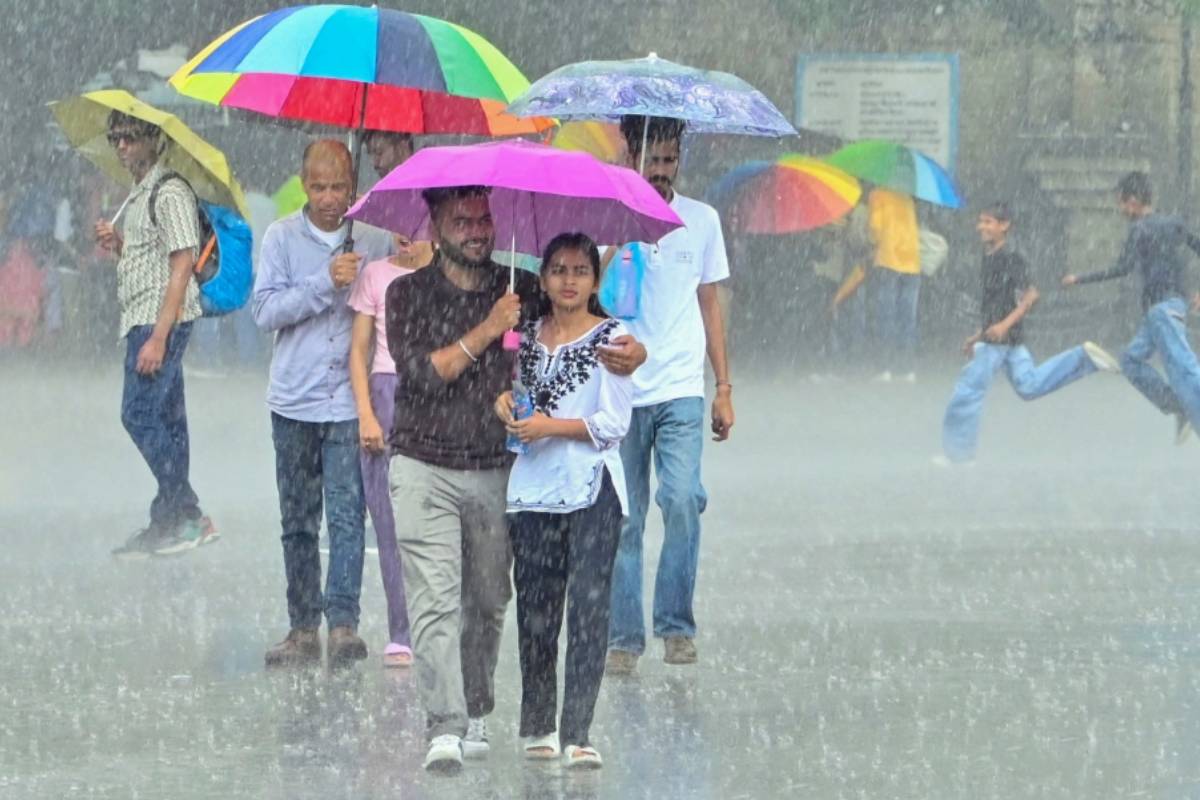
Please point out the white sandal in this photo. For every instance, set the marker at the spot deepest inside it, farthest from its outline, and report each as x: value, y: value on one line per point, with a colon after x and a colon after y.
x: 542, y: 748
x: 582, y: 757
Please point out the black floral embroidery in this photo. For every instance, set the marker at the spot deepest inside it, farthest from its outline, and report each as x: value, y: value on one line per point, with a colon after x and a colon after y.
x: 550, y: 378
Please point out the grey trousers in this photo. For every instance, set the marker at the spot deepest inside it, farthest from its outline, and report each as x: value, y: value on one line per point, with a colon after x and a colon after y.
x: 456, y: 557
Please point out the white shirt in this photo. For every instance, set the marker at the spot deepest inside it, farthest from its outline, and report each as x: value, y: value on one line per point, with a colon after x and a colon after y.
x: 669, y: 323
x: 332, y: 238
x: 560, y: 475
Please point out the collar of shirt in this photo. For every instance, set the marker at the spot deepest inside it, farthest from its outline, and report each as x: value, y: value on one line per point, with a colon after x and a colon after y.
x: 494, y: 277
x: 1002, y: 250
x: 147, y: 182
x: 149, y: 179
x: 331, y: 239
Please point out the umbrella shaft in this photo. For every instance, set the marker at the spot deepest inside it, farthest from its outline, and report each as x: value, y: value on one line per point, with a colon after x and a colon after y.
x: 645, y: 137
x: 121, y: 209
x: 348, y: 246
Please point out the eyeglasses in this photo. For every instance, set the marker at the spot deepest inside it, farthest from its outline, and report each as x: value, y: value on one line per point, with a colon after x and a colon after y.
x: 116, y: 137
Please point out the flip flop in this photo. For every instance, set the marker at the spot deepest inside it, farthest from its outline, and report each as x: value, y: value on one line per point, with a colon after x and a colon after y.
x: 397, y: 655
x: 582, y: 757
x: 542, y: 748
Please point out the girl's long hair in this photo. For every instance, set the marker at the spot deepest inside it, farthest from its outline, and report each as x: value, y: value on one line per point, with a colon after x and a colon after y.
x: 584, y: 244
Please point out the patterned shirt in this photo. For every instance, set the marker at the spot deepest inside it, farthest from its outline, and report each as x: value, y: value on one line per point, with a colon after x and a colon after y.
x: 144, y: 268
x: 559, y: 475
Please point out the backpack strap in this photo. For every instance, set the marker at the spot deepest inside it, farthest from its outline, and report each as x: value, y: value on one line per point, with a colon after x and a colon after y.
x: 206, y: 248
x: 166, y: 176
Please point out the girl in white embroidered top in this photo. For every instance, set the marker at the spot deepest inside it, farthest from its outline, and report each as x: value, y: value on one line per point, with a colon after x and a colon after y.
x: 567, y: 497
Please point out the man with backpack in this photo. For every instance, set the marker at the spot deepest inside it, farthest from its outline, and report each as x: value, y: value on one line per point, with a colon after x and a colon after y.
x: 157, y: 250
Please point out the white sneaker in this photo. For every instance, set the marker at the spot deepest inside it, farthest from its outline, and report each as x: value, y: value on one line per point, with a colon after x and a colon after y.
x: 476, y: 744
x: 445, y: 754
x: 1101, y: 358
x: 883, y: 377
x: 908, y: 377
x: 943, y: 462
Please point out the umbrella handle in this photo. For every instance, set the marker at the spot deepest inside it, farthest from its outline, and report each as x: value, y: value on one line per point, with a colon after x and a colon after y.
x: 121, y: 209
x: 512, y: 338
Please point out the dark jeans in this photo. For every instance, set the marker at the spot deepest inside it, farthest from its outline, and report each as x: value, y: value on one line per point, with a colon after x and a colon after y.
x: 317, y: 461
x: 561, y: 557
x: 154, y: 414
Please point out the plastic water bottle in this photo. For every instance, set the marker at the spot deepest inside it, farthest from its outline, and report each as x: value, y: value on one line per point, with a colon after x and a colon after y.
x: 522, y: 408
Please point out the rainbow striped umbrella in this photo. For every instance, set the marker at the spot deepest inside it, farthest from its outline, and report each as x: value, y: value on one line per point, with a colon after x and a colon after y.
x: 358, y: 67
x: 791, y: 194
x: 900, y: 168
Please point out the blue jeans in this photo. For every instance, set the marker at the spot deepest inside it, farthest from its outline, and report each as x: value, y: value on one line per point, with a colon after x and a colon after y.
x: 960, y: 428
x: 154, y: 414
x: 674, y: 430
x: 315, y: 461
x: 893, y: 297
x: 1164, y: 330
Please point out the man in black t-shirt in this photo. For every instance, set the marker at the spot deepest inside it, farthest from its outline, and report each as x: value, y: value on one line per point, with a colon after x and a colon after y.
x: 449, y: 468
x: 1008, y: 295
x: 1154, y: 247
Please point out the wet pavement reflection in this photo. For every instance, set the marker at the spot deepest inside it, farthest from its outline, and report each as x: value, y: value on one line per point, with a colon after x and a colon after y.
x: 871, y: 626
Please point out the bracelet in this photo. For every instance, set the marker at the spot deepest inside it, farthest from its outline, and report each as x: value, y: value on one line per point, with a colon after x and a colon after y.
x: 474, y: 360
x: 724, y: 383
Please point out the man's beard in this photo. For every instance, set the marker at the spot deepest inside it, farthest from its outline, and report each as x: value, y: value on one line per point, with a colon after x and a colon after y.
x: 456, y: 254
x: 662, y: 185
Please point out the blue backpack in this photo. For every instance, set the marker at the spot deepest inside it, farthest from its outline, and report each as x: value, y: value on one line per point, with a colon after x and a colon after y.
x: 224, y: 270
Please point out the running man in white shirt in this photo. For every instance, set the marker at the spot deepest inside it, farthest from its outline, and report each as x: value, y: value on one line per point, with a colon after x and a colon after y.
x: 679, y: 320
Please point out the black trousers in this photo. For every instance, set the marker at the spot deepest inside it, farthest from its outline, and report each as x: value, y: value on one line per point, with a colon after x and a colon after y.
x: 557, y: 559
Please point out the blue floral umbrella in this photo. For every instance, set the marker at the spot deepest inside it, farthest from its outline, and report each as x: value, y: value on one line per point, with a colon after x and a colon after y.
x: 709, y: 101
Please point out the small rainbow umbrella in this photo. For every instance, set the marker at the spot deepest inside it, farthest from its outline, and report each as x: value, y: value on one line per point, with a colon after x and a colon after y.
x: 361, y: 68
x: 900, y: 168
x: 791, y: 194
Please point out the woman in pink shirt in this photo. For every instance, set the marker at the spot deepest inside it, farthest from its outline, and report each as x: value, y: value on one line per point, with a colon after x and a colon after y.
x: 373, y: 378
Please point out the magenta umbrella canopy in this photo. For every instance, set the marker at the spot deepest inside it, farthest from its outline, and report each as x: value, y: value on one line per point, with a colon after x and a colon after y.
x: 537, y: 193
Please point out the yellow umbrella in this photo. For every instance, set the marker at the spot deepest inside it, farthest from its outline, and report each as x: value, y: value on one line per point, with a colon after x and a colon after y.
x: 601, y: 139
x: 84, y: 120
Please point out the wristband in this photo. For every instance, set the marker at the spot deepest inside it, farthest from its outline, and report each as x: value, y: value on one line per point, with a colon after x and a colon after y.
x: 474, y: 360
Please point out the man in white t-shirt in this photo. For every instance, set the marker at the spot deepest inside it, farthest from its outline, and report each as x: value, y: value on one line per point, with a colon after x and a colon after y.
x: 679, y: 319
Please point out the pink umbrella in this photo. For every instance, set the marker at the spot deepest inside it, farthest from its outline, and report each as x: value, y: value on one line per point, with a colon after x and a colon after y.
x: 537, y: 193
